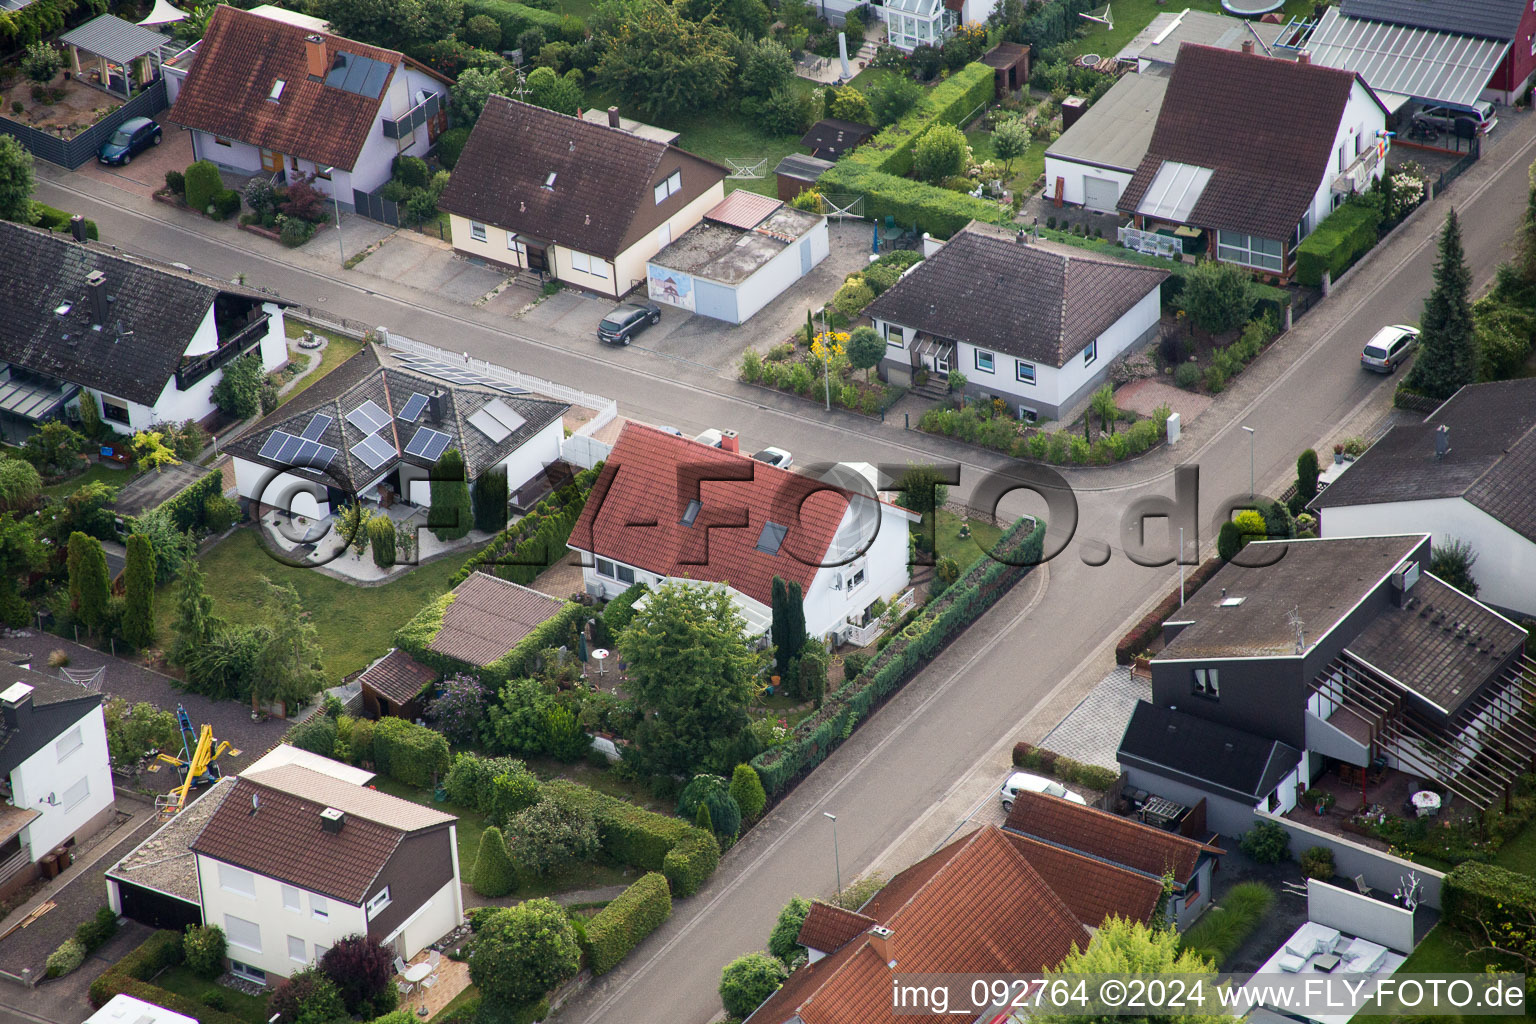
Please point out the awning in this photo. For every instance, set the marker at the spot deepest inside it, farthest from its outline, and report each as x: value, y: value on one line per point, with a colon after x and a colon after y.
x: 1432, y: 67
x: 1174, y: 191
x: 163, y: 14
x: 33, y: 402
x: 113, y: 39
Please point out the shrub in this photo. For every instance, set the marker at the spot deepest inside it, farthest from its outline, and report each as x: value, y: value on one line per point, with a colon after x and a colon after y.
x: 941, y: 153
x: 203, y: 947
x: 493, y: 875
x: 854, y: 664
x: 619, y: 927
x: 362, y: 969
x: 748, y: 980
x: 41, y: 63
x: 94, y: 933
x: 306, y: 997
x: 1267, y: 843
x: 203, y: 184
x: 1478, y: 896
x: 316, y: 734
x: 554, y: 833
x: 381, y: 538
x: 449, y: 145
x: 1343, y: 237
x: 783, y: 941
x: 524, y: 951
x: 409, y: 753
x: 853, y: 296
x: 1317, y: 862
x: 69, y: 956
x: 747, y: 791
x: 1218, y: 296
x: 176, y: 182
x: 1187, y: 375
x: 294, y: 232
x: 714, y: 792
x: 226, y: 202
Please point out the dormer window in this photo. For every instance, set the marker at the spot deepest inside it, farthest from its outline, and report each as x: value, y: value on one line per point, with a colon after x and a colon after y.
x: 277, y: 90
x: 664, y: 189
x: 549, y: 182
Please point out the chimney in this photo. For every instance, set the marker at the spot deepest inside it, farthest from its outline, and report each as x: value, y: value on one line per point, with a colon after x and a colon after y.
x: 1247, y: 45
x: 613, y: 117
x: 729, y: 442
x: 314, y: 56
x: 880, y: 942
x: 1442, y: 442
x: 77, y: 228
x: 96, y: 284
x: 1304, y: 57
x: 435, y: 406
x: 331, y: 820
x: 1072, y: 110
x: 17, y: 702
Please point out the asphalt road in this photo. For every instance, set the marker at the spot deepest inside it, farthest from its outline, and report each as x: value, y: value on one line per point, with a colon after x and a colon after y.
x: 984, y: 690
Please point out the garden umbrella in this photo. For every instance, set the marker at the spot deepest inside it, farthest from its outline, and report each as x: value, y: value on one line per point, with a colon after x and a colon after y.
x: 875, y: 246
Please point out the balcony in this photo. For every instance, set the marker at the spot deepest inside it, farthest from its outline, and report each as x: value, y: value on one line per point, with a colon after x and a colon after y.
x: 1357, y: 176
x: 402, y: 126
x: 237, y: 344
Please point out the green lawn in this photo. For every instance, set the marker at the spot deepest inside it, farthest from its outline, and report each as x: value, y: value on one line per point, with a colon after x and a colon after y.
x: 113, y: 475
x: 1519, y: 854
x: 338, y: 351
x: 602, y: 780
x: 183, y: 982
x: 1026, y: 169
x: 964, y: 550
x: 1131, y: 16
x: 1443, y: 952
x: 355, y: 624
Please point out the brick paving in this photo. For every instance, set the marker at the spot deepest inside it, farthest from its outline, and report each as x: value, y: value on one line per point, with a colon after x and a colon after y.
x: 1091, y: 731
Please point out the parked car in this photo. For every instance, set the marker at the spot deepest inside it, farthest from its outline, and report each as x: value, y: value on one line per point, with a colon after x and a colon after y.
x: 1445, y: 118
x: 1389, y: 348
x: 774, y: 457
x: 626, y: 320
x: 1034, y: 784
x: 133, y: 136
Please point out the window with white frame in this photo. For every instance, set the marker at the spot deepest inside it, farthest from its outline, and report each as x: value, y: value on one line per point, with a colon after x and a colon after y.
x: 292, y: 899
x: 242, y: 933
x: 856, y: 579
x: 1206, y: 683
x: 984, y: 361
x: 114, y: 409
x: 626, y: 575
x: 666, y: 189
x: 237, y: 880
x: 248, y: 972
x: 296, y: 950
x: 69, y: 743
x: 895, y: 336
x: 1028, y: 415
x: 75, y: 795
x: 605, y: 568
x: 515, y: 244
x: 1250, y: 251
x: 664, y: 236
x: 378, y: 903
x: 320, y: 952
x: 1025, y: 372
x: 589, y: 264
x: 477, y: 231
x: 1091, y: 352
x: 319, y: 907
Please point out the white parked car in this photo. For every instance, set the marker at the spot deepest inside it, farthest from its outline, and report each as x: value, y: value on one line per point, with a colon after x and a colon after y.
x: 1034, y: 784
x: 775, y: 457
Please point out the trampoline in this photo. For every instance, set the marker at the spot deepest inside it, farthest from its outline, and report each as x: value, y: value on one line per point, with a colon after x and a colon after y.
x: 1251, y: 8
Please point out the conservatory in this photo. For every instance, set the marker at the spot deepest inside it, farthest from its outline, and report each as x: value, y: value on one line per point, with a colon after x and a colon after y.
x: 914, y: 22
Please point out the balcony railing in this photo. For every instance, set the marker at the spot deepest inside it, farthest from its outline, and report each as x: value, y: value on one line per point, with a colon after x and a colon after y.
x: 1151, y: 243
x: 402, y: 126
x: 237, y: 344
x: 1357, y: 176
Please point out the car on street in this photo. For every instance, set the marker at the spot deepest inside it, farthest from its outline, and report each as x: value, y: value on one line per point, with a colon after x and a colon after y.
x: 626, y: 320
x: 774, y: 457
x: 132, y: 137
x: 1034, y: 784
x: 1389, y: 348
x: 1444, y: 118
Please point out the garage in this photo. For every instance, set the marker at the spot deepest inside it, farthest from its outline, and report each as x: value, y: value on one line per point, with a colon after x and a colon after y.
x: 1093, y: 161
x: 1100, y: 193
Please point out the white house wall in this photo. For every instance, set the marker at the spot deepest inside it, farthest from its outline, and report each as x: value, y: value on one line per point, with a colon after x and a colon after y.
x: 271, y: 487
x: 434, y: 919
x: 530, y: 457
x: 237, y: 156
x: 629, y: 268
x: 1072, y: 173
x: 1506, y: 561
x: 46, y: 774
x: 1362, y: 119
x: 886, y: 574
x: 771, y: 279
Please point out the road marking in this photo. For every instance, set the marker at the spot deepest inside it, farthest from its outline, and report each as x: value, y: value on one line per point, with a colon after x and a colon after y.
x: 747, y: 871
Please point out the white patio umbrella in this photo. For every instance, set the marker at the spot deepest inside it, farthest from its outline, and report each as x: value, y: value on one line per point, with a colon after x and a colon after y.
x: 163, y: 14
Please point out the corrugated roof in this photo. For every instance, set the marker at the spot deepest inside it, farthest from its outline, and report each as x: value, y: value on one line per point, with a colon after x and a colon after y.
x: 1174, y: 191
x: 488, y: 617
x: 114, y: 39
x: 1116, y: 130
x: 1426, y: 65
x: 1493, y: 19
x: 743, y: 209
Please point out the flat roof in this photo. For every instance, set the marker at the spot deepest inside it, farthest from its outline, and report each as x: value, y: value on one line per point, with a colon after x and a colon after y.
x: 1429, y: 66
x: 729, y: 255
x: 164, y: 862
x: 1161, y: 39
x: 1115, y: 131
x: 125, y: 1009
x: 292, y: 17
x: 287, y: 753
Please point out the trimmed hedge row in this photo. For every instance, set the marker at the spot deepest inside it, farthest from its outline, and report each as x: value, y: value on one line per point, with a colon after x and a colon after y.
x: 515, y: 19
x: 129, y: 976
x: 415, y: 638
x: 619, y: 927
x: 939, y: 211
x: 408, y: 752
x: 1038, y: 759
x: 189, y: 508
x: 1475, y: 896
x: 55, y: 219
x: 643, y: 839
x: 948, y: 102
x: 1151, y: 625
x: 1344, y: 236
x: 504, y: 556
x: 977, y: 589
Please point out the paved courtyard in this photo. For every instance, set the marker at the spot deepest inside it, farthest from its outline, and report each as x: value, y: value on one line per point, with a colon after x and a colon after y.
x: 409, y: 257
x: 147, y: 171
x: 1091, y: 731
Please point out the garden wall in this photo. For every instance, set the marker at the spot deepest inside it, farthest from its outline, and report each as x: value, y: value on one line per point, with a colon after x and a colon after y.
x: 1356, y: 914
x: 1381, y: 870
x: 71, y: 153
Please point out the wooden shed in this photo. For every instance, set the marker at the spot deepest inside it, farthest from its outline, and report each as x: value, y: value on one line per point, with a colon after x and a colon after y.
x: 1010, y: 65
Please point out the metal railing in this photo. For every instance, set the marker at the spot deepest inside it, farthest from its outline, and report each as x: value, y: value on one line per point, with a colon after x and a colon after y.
x: 863, y: 636
x: 244, y: 339
x: 1151, y: 243
x: 1357, y: 176
x: 502, y: 375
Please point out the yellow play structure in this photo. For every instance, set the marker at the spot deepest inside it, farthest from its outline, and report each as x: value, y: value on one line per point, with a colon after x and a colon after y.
x: 198, y: 762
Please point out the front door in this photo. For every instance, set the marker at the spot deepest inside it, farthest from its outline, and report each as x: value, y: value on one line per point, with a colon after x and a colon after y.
x: 941, y: 362
x: 271, y: 162
x: 537, y: 260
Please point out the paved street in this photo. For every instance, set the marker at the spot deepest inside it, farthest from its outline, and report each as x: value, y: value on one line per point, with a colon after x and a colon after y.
x: 942, y: 743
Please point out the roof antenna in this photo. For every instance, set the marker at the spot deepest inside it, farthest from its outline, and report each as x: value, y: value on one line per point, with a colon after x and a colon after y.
x: 1301, y: 636
x: 121, y: 334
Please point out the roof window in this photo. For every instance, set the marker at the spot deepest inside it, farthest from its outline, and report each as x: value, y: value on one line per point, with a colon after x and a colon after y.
x: 691, y: 513
x: 772, y: 538
x: 549, y: 182
x: 277, y: 90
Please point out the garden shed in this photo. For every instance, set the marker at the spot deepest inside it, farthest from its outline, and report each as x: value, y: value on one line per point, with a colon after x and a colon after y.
x: 798, y: 172
x: 119, y: 55
x: 1010, y: 64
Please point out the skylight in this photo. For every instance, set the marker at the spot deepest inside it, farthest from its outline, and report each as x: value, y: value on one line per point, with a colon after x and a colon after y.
x: 277, y: 90
x: 691, y: 513
x: 549, y: 182
x: 772, y: 538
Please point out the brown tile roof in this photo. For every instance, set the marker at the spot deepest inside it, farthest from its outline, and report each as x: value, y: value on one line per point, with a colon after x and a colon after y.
x: 635, y: 512
x: 358, y: 801
x: 1092, y: 889
x: 1037, y: 301
x: 979, y: 908
x: 397, y: 676
x: 242, y: 55
x: 827, y: 928
x: 488, y: 617
x: 1263, y: 125
x: 603, y: 177
x: 1106, y: 836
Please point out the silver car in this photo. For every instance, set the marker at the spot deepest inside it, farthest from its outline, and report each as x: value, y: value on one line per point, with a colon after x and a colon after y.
x: 1389, y: 348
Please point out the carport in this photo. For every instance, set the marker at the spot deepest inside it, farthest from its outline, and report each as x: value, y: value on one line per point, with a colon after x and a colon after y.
x: 120, y: 55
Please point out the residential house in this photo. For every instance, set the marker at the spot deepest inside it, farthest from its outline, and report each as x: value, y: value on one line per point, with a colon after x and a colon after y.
x: 1463, y: 473
x: 374, y: 427
x: 488, y: 617
x: 1036, y: 324
x: 831, y: 138
x: 586, y: 204
x: 290, y: 859
x: 396, y: 685
x: 957, y: 911
x: 1092, y: 162
x: 1452, y: 52
x: 55, y: 772
x: 149, y: 340
x: 1155, y: 49
x: 744, y: 254
x: 1133, y: 847
x: 125, y: 1009
x: 666, y: 508
x: 1340, y: 654
x: 266, y: 96
x: 1247, y: 178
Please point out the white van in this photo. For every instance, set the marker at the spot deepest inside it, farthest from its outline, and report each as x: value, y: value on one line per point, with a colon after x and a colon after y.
x: 1034, y: 784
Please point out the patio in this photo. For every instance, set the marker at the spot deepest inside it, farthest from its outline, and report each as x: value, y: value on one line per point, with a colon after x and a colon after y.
x: 1385, y: 792
x: 121, y: 56
x: 428, y: 997
x: 316, y: 540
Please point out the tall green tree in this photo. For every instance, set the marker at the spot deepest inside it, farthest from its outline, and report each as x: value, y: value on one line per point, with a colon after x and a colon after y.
x: 89, y: 583
x: 490, y: 497
x: 748, y: 980
x: 691, y: 675
x: 560, y: 93
x: 238, y: 391
x: 289, y: 667
x: 668, y: 64
x: 865, y: 349
x: 16, y: 182
x: 745, y: 18
x: 139, y: 593
x: 397, y: 24
x: 1125, y: 947
x: 523, y: 952
x: 1218, y: 297
x: 1306, y: 475
x: 1527, y: 257
x: 472, y: 90
x: 195, y: 623
x: 1010, y: 140
x: 20, y: 554
x: 451, y: 515
x: 1447, y: 357
x: 492, y: 875
x: 783, y: 941
x: 941, y: 153
x: 796, y: 616
x: 782, y: 645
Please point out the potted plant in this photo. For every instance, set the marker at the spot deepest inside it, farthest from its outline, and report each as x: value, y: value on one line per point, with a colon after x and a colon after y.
x: 1338, y: 454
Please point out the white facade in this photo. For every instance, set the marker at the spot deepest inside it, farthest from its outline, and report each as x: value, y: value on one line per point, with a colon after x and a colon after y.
x: 1097, y: 188
x: 1506, y: 561
x: 69, y: 780
x: 736, y: 303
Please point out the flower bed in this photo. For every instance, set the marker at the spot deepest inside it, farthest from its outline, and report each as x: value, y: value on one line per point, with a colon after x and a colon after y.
x: 798, y: 371
x: 990, y: 425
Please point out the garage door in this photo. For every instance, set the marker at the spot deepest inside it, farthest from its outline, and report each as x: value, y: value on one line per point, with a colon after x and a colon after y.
x: 1100, y: 194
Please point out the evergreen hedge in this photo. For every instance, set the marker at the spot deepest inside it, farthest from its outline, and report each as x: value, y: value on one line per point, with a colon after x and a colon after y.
x: 381, y: 538
x: 515, y: 19
x: 949, y: 102
x: 1476, y: 895
x: 977, y: 589
x: 939, y: 211
x: 643, y: 839
x: 1344, y: 236
x: 619, y: 927
x: 537, y: 540
x: 188, y: 509
x: 408, y: 752
x: 203, y: 184
x: 415, y: 638
x: 128, y: 977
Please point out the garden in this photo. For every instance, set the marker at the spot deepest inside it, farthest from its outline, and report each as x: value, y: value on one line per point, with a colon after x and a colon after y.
x: 38, y: 92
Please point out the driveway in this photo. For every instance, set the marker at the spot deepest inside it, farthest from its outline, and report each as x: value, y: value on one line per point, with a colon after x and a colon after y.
x: 409, y: 257
x: 147, y: 171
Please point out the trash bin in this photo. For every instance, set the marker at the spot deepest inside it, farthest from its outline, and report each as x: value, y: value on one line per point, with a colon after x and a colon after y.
x: 66, y: 856
x: 50, y: 865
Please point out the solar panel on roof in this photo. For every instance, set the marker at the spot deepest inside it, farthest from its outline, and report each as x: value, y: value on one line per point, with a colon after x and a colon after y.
x: 488, y: 425
x: 505, y: 414
x: 428, y: 444
x: 290, y: 448
x: 374, y: 83
x: 274, y: 444
x: 357, y: 71
x: 368, y: 417
x: 317, y: 426
x: 413, y: 407
x: 372, y: 451
x: 307, y: 452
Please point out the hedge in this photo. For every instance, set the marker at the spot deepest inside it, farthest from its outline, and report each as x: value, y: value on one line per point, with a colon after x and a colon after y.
x: 129, y: 976
x: 533, y: 543
x: 415, y: 638
x: 188, y: 509
x: 1344, y: 236
x: 619, y: 927
x: 939, y: 211
x: 643, y: 839
x: 1150, y: 627
x: 1476, y: 896
x: 515, y: 19
x: 948, y: 102
x: 408, y: 752
x: 1038, y: 759
x: 55, y: 219
x: 977, y: 589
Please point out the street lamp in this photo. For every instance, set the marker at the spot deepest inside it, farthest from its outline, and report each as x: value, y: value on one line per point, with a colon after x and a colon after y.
x: 1250, y: 462
x: 836, y: 861
x: 330, y: 174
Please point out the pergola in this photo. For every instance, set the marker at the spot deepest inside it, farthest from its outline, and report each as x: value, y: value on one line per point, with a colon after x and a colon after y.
x: 114, y: 48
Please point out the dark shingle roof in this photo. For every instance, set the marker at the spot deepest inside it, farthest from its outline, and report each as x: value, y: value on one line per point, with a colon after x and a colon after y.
x: 603, y: 177
x: 242, y: 55
x: 1038, y: 301
x: 56, y: 705
x: 1263, y: 126
x: 831, y: 137
x: 1106, y: 836
x: 1491, y: 463
x: 397, y: 676
x: 1491, y: 19
x: 1171, y: 742
x: 161, y: 305
x: 488, y: 617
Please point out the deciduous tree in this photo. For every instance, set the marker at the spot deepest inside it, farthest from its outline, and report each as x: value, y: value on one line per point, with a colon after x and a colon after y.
x: 474, y: 87
x: 1010, y: 140
x: 362, y: 970
x: 1218, y: 297
x: 523, y: 952
x: 289, y: 667
x: 865, y: 349
x: 16, y: 182
x: 766, y: 65
x: 1126, y: 947
x: 745, y: 18
x: 747, y: 981
x: 20, y: 553
x: 783, y: 941
x: 667, y: 63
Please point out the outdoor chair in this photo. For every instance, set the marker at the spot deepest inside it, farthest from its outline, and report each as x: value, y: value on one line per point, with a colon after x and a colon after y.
x: 404, y: 987
x: 429, y: 981
x: 434, y: 958
x: 399, y: 966
x: 1362, y: 885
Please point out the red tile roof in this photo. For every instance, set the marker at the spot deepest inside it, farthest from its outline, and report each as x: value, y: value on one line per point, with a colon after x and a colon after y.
x: 636, y: 509
x: 1092, y: 889
x: 397, y: 676
x: 1106, y: 836
x: 827, y: 928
